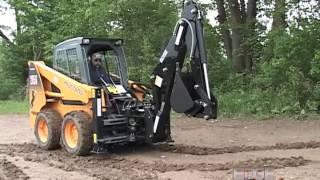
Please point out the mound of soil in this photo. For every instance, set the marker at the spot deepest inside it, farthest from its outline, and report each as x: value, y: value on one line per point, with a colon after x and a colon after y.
x: 9, y: 171
x: 197, y: 150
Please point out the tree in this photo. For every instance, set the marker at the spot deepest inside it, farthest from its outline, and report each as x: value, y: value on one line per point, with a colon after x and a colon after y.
x: 144, y: 25
x: 222, y: 19
x: 241, y: 20
x: 279, y: 15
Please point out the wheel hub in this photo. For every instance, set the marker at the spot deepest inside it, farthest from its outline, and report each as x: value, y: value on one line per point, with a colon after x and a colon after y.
x: 43, y: 130
x: 71, y: 134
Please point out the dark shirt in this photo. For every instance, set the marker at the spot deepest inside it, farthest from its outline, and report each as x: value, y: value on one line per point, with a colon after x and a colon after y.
x: 99, y: 72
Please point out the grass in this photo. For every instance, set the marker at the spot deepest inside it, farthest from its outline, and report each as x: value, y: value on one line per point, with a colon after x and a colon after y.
x: 13, y: 107
x: 256, y: 105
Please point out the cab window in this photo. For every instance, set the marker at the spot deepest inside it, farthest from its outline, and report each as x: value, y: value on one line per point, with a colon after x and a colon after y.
x: 62, y: 62
x: 74, y: 63
x: 111, y: 65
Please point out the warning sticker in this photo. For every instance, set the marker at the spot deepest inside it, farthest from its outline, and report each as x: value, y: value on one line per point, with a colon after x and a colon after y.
x: 164, y: 55
x: 158, y: 81
x: 33, y: 79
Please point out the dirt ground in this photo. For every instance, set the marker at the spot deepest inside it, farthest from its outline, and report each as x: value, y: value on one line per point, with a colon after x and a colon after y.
x: 225, y: 149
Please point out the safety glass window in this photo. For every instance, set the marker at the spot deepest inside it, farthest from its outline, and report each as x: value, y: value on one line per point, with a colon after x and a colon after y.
x: 62, y: 62
x: 74, y: 63
x: 111, y: 64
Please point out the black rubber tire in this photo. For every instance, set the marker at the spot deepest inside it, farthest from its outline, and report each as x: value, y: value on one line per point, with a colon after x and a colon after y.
x: 53, y: 121
x: 85, y: 139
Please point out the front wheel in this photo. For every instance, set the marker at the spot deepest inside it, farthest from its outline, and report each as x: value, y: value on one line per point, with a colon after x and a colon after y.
x: 76, y: 133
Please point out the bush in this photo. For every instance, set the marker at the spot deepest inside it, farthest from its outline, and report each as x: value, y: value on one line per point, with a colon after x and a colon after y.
x: 255, y: 102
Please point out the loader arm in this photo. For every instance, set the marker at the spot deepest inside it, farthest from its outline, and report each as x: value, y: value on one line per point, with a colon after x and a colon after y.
x: 185, y: 91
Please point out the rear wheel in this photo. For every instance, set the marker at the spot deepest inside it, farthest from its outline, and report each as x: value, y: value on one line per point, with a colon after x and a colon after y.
x: 76, y: 133
x: 47, y: 129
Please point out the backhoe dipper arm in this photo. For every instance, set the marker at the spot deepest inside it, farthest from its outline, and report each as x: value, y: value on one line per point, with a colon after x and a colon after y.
x: 188, y: 91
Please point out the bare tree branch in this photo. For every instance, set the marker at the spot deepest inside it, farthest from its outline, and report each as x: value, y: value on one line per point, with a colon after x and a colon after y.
x: 3, y: 36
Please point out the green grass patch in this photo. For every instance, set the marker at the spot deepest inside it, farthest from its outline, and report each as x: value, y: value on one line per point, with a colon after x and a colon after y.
x: 14, y: 107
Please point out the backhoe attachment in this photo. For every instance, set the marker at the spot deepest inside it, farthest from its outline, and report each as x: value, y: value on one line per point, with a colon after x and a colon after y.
x: 180, y: 80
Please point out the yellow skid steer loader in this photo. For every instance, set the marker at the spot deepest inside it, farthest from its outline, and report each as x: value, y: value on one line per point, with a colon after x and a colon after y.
x: 69, y: 108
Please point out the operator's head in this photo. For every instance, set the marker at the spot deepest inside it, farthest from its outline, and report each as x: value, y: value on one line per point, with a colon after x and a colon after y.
x: 96, y: 59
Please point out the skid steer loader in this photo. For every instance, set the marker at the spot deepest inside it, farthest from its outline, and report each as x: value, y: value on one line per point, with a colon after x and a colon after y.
x: 67, y: 108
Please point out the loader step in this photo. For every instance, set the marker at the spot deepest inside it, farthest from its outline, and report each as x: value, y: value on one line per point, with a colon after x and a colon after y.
x: 115, y: 119
x: 112, y: 140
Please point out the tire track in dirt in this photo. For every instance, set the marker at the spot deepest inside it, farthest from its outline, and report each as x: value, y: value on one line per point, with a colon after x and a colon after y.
x: 117, y: 167
x: 108, y: 166
x: 198, y: 150
x: 10, y: 171
x: 274, y: 163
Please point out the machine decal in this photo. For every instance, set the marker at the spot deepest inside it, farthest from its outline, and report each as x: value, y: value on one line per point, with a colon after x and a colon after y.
x: 33, y: 79
x: 156, y: 122
x: 95, y: 137
x: 164, y: 54
x: 158, y: 81
x: 206, y: 80
x: 180, y: 31
x: 74, y: 88
x: 99, y: 107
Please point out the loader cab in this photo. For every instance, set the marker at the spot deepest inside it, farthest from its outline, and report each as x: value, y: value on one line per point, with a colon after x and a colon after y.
x: 73, y: 58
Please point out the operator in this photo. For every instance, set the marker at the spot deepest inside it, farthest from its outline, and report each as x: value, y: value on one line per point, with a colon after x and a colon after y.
x: 99, y: 75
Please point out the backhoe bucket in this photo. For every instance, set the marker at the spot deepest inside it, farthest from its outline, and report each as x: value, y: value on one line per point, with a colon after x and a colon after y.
x: 189, y: 98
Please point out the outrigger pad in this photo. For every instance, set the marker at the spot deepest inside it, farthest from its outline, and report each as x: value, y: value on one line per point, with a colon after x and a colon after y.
x: 180, y: 99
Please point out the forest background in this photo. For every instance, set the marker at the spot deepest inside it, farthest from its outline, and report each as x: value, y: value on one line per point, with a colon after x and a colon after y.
x: 264, y: 55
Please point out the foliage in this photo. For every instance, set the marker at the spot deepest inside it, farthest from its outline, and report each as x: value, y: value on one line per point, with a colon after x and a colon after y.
x: 10, y: 80
x: 294, y: 63
x: 284, y: 77
x: 255, y: 102
x: 287, y: 81
x: 43, y: 24
x: 145, y: 25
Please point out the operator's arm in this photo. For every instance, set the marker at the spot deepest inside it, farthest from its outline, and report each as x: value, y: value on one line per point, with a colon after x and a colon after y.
x: 99, y: 75
x: 105, y: 76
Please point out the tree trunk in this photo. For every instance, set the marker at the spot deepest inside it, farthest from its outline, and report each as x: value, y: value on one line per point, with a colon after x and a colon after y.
x: 243, y: 11
x: 252, y: 10
x: 251, y: 26
x: 279, y: 15
x: 238, y: 58
x: 238, y: 44
x: 222, y: 19
x: 36, y: 53
x: 18, y: 23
